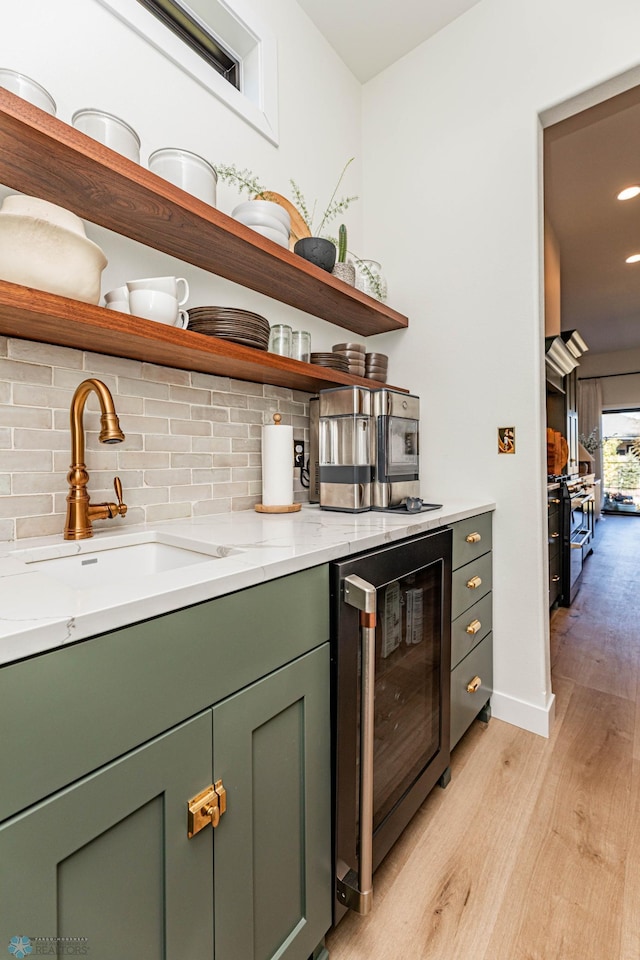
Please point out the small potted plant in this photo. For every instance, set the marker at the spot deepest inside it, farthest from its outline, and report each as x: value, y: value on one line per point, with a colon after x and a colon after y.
x: 343, y: 270
x: 311, y: 245
x: 316, y: 248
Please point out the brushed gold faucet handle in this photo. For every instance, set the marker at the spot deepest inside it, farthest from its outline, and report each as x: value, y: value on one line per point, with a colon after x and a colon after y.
x: 117, y: 486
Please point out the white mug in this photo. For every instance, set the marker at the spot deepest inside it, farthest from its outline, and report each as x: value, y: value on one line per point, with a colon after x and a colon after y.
x: 159, y: 306
x: 122, y: 306
x: 119, y: 293
x: 168, y: 285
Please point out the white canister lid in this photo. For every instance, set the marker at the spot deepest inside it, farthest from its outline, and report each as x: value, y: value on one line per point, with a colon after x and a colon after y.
x: 177, y: 153
x: 93, y: 113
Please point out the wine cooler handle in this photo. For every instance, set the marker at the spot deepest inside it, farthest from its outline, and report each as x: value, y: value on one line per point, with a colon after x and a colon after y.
x: 357, y: 892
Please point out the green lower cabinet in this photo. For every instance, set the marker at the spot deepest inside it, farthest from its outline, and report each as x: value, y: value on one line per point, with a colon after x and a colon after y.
x: 273, y: 845
x: 108, y: 858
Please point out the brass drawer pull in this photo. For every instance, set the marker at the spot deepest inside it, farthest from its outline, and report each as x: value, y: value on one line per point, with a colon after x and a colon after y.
x: 474, y: 627
x: 474, y: 583
x: 555, y: 578
x: 473, y: 538
x: 555, y: 500
x: 555, y: 534
x: 206, y: 808
x: 474, y: 685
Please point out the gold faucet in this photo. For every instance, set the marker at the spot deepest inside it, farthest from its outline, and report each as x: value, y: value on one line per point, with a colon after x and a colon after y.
x: 80, y: 512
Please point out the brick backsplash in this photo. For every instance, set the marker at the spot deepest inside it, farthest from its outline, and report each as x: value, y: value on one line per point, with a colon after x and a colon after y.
x: 192, y: 447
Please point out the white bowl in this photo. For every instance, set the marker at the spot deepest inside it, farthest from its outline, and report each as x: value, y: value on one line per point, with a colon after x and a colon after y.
x: 38, y: 209
x: 274, y: 235
x: 266, y: 206
x: 110, y: 130
x: 187, y: 170
x: 261, y: 219
x: 39, y: 253
x: 28, y: 89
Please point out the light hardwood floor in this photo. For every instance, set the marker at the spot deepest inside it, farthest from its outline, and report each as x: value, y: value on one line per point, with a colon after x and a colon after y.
x: 533, y: 850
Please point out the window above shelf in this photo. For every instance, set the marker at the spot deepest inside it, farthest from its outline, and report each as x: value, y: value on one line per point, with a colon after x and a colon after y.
x: 47, y: 158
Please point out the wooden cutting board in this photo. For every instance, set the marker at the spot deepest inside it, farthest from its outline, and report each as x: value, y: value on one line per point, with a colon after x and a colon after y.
x: 557, y: 452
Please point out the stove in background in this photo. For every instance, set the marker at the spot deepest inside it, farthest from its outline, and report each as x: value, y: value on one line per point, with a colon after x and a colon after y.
x: 576, y: 523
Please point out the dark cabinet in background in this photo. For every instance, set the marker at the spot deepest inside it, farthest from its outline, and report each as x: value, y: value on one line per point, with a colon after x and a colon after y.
x: 554, y: 540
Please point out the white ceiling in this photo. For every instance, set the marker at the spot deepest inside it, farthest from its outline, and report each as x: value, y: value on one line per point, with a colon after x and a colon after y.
x: 589, y: 158
x: 369, y: 35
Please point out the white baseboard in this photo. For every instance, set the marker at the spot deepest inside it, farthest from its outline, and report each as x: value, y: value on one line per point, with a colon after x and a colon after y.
x: 538, y: 720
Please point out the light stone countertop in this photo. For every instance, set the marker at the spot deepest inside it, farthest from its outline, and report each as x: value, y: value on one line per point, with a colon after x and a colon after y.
x: 39, y: 612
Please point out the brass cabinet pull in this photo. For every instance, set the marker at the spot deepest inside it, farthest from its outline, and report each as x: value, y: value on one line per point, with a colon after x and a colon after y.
x: 555, y: 578
x: 474, y: 685
x: 473, y: 538
x: 206, y: 808
x: 555, y: 534
x: 474, y: 626
x: 474, y: 583
x: 555, y: 500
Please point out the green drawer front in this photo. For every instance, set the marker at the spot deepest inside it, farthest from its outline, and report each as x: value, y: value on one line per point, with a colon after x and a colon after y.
x: 554, y: 527
x: 466, y: 706
x: 462, y: 596
x: 70, y: 711
x: 461, y: 641
x: 464, y: 552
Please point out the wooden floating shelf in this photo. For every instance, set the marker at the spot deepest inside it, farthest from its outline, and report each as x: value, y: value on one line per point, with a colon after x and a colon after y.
x: 47, y: 158
x: 34, y: 315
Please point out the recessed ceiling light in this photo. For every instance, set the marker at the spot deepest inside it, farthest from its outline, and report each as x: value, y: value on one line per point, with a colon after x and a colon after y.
x: 628, y: 193
x: 633, y: 259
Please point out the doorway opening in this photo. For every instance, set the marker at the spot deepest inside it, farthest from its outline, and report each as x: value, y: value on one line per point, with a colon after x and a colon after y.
x: 621, y: 461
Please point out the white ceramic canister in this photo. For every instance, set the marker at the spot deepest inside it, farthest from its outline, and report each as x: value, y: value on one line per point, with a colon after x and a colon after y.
x: 187, y: 170
x: 28, y: 89
x: 110, y: 130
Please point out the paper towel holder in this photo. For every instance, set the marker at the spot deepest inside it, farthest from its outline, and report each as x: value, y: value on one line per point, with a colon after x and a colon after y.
x: 284, y: 508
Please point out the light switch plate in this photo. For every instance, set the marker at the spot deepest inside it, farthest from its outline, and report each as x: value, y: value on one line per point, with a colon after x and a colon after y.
x: 506, y: 439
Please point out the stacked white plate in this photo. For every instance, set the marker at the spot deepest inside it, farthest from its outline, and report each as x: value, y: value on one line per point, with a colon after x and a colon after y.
x: 266, y: 218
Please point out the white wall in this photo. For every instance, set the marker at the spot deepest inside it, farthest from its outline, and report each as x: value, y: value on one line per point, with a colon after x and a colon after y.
x: 452, y: 178
x: 86, y: 57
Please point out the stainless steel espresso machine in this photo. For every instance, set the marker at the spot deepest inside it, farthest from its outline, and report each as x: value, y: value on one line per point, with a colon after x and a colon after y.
x: 345, y: 460
x: 395, y: 428
x: 367, y: 450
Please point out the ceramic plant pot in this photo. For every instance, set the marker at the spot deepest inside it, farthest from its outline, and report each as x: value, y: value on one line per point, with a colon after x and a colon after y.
x: 345, y: 272
x: 317, y: 250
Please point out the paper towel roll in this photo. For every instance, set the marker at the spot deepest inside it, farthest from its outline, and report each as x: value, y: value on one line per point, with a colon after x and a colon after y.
x: 277, y: 464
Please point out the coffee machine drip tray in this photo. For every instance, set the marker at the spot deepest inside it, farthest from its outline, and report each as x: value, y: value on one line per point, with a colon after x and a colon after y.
x: 410, y: 505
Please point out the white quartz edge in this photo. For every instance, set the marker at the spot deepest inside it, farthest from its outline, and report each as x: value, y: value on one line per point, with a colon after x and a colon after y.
x: 39, y: 613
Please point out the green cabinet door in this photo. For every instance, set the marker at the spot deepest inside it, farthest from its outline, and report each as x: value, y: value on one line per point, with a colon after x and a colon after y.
x: 108, y: 858
x: 272, y: 848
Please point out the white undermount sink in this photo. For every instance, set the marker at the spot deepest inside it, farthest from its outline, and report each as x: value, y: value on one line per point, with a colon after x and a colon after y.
x: 123, y: 559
